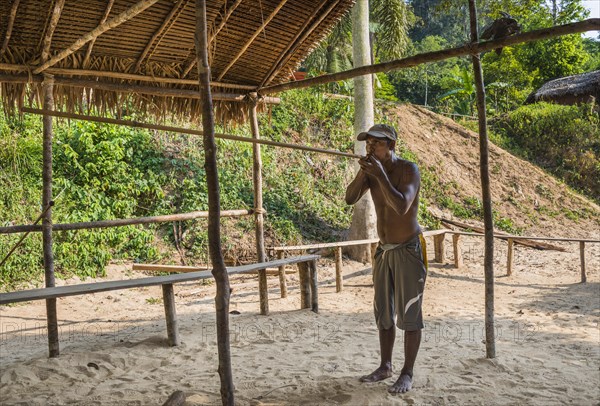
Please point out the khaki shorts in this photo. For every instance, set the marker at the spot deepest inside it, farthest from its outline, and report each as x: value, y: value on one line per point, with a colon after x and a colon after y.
x: 399, y: 273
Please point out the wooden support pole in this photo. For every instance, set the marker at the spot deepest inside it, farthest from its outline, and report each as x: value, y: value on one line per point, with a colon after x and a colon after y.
x: 214, y: 227
x: 47, y: 40
x: 303, y: 273
x: 170, y: 314
x: 509, y: 257
x: 52, y: 318
x: 258, y: 209
x: 314, y: 286
x: 88, y: 53
x: 490, y: 336
x: 458, y: 259
x: 439, y: 248
x: 339, y: 280
x: 282, y: 277
x: 582, y: 257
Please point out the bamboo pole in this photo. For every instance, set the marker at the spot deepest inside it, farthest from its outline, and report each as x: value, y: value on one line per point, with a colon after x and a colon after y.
x: 124, y: 76
x: 591, y: 24
x: 185, y: 131
x: 339, y: 280
x: 582, y: 258
x: 51, y: 314
x: 9, y: 26
x: 176, y: 10
x: 228, y: 14
x: 88, y: 53
x: 297, y: 41
x: 47, y: 40
x: 131, y: 88
x: 458, y: 259
x: 509, y: 257
x: 258, y: 209
x: 214, y: 230
x: 252, y: 38
x: 123, y: 222
x: 490, y: 338
x: 96, y: 32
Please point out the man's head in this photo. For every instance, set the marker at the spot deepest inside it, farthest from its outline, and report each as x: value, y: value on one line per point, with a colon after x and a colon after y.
x: 379, y: 131
x: 380, y: 138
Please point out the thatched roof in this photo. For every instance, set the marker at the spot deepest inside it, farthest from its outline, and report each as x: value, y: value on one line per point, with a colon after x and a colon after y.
x: 569, y: 90
x: 145, y: 54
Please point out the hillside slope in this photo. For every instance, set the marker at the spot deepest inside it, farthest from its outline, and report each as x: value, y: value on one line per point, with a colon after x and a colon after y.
x: 534, y: 201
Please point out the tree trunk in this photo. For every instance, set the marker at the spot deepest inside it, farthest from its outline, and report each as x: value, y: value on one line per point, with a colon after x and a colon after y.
x: 363, y: 219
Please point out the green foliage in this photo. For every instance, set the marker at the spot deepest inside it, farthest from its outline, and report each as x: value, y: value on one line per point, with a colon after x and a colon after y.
x: 562, y: 139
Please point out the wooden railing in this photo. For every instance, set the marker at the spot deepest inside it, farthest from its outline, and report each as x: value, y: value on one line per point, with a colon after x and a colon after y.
x: 439, y: 251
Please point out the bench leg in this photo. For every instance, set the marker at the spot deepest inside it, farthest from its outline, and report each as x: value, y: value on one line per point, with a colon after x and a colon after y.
x: 339, y: 281
x: 282, y: 278
x: 304, y: 285
x: 314, y: 286
x: 170, y: 314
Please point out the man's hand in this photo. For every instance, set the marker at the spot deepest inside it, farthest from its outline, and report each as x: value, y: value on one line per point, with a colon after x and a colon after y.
x: 371, y: 166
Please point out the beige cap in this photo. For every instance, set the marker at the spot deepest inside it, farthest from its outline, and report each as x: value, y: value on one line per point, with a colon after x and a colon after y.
x: 379, y: 131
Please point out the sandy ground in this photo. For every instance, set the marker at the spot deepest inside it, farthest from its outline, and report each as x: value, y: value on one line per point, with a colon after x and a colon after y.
x: 113, y: 345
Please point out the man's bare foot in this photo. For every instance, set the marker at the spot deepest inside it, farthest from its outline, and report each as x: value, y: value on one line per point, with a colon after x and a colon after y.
x: 379, y: 374
x: 403, y: 384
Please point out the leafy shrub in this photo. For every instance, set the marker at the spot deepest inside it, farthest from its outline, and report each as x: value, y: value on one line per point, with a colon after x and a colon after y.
x: 564, y: 140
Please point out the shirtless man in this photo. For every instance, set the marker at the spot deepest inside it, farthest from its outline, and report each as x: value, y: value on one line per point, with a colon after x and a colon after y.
x: 399, y: 269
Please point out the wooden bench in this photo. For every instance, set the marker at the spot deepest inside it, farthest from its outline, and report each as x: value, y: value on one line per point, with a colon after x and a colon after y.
x: 306, y: 266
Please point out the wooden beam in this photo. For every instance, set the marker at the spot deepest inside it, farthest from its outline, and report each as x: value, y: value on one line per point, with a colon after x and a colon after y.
x: 88, y: 53
x: 592, y: 24
x: 297, y: 41
x: 228, y: 14
x: 252, y: 38
x: 185, y: 131
x: 9, y: 26
x: 96, y: 32
x: 162, y: 30
x: 124, y: 76
x: 106, y: 286
x: 131, y: 88
x: 123, y: 222
x: 488, y: 261
x: 47, y: 39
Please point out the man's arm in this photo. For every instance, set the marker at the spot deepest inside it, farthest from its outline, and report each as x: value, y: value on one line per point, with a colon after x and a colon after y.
x: 357, y: 188
x: 399, y: 197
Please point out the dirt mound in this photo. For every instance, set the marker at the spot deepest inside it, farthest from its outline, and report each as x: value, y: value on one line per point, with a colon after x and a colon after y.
x: 532, y: 199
